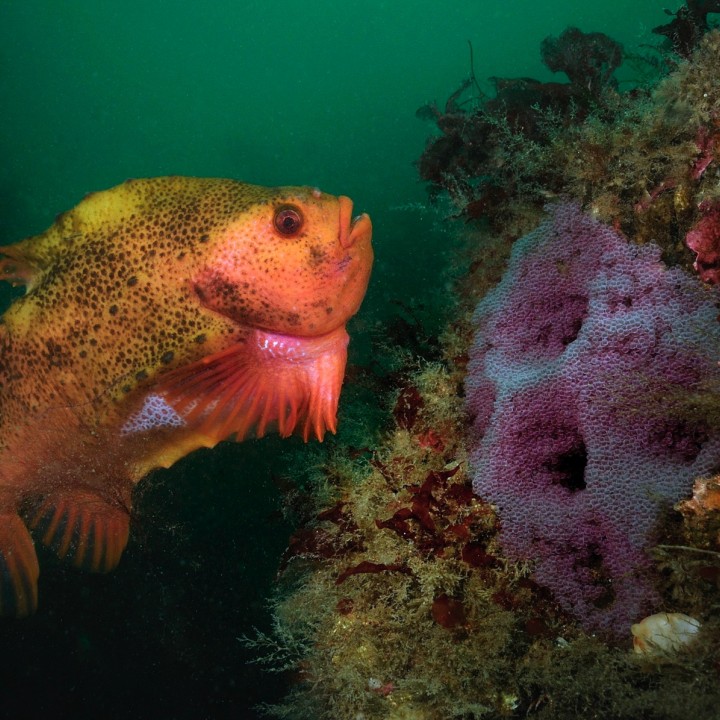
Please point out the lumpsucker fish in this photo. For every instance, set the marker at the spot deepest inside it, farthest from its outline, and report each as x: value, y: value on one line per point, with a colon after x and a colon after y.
x: 161, y: 316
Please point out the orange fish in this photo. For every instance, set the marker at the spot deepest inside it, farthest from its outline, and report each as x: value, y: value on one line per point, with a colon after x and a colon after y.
x: 161, y: 316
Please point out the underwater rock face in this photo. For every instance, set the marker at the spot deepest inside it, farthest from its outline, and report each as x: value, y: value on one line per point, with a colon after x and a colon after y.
x: 582, y: 358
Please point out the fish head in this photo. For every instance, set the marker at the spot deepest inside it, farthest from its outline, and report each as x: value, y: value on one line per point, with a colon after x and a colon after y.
x: 294, y: 262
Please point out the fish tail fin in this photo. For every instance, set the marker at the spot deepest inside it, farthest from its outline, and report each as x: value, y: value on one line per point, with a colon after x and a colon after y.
x: 83, y: 528
x: 18, y: 568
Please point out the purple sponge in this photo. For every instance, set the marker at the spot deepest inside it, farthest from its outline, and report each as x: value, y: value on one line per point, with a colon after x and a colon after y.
x: 576, y: 354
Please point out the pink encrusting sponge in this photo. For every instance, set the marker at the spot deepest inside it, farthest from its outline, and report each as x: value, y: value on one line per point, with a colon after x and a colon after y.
x: 577, y: 357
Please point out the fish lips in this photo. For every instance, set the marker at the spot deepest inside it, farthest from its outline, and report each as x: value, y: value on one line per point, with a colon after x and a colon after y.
x: 353, y: 231
x: 355, y: 236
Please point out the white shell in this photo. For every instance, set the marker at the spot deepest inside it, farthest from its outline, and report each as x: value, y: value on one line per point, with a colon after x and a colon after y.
x: 663, y: 633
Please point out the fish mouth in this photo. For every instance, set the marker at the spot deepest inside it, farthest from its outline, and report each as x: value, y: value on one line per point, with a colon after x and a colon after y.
x: 355, y: 237
x: 353, y: 230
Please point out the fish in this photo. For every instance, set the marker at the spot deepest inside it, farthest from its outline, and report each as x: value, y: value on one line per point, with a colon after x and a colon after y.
x: 161, y: 316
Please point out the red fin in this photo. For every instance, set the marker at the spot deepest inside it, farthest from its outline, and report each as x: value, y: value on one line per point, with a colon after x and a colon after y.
x: 15, y: 268
x: 85, y: 529
x: 264, y: 382
x: 18, y: 568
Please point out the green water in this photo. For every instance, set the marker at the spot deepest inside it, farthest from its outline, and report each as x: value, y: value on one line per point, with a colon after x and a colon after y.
x: 313, y: 93
x: 316, y: 93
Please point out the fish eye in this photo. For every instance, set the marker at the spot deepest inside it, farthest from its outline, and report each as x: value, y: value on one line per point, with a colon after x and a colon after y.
x: 288, y: 220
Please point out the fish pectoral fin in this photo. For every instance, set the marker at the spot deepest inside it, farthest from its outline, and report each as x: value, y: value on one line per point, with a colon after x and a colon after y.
x: 18, y: 568
x: 267, y: 382
x: 15, y: 267
x: 83, y: 528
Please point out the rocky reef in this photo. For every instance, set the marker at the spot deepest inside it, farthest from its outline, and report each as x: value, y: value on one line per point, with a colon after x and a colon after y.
x: 546, y: 476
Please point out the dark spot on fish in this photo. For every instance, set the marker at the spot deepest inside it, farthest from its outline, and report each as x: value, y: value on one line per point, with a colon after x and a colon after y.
x: 167, y: 357
x: 204, y: 238
x: 200, y: 339
x: 199, y: 292
x: 132, y: 281
x: 317, y: 256
x: 329, y: 310
x: 113, y: 309
x: 126, y: 388
x: 142, y: 375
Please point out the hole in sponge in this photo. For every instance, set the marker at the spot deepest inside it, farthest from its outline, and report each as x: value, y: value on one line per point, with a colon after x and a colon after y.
x: 568, y: 469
